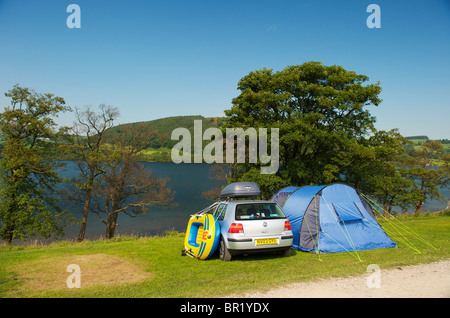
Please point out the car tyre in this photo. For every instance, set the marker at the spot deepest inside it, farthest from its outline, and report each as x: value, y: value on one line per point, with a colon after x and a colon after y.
x: 224, y: 253
x: 287, y: 252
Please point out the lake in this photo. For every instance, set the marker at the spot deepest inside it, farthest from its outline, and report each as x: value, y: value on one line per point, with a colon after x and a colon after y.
x: 188, y: 181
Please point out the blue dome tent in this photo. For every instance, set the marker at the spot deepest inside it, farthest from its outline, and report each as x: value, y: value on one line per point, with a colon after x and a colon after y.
x: 330, y: 219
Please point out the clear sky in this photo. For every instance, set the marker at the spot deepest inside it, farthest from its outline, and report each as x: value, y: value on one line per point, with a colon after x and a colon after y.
x: 155, y: 59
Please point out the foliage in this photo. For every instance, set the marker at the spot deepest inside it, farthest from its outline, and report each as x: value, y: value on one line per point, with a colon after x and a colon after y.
x: 28, y: 205
x: 426, y: 178
x: 111, y: 180
x: 416, y: 137
x: 85, y: 142
x: 322, y: 117
x: 162, y: 129
x: 377, y: 172
x: 126, y: 186
x: 328, y: 135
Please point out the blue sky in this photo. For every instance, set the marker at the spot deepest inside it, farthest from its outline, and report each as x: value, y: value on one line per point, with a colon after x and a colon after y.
x: 154, y: 59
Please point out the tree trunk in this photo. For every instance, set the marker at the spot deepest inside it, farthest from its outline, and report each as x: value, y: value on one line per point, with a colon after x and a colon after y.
x: 10, y: 224
x: 111, y: 226
x: 385, y: 210
x: 82, y: 232
x: 9, y: 236
x: 112, y: 220
x: 389, y: 209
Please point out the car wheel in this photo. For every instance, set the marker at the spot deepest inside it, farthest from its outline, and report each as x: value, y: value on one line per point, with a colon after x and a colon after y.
x: 224, y: 253
x: 287, y: 253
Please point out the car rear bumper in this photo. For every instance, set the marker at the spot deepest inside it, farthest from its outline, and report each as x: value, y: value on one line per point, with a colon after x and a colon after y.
x: 244, y: 245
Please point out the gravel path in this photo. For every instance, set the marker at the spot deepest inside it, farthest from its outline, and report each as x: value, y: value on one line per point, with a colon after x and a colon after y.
x: 418, y: 281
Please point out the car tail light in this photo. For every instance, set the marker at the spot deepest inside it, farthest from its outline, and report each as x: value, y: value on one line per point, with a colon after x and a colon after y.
x: 287, y: 226
x: 236, y: 228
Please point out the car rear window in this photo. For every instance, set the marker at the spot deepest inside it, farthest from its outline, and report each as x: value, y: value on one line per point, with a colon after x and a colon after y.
x: 257, y: 211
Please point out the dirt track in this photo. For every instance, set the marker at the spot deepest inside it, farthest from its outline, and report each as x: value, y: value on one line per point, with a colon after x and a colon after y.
x: 419, y: 281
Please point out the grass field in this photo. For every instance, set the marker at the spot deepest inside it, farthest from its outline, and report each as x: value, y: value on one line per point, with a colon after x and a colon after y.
x: 154, y: 267
x: 418, y: 142
x: 150, y: 151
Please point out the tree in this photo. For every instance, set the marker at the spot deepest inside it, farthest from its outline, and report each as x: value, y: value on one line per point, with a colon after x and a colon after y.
x: 377, y: 170
x: 221, y: 173
x: 321, y: 115
x: 427, y: 177
x: 126, y: 186
x: 28, y: 206
x: 88, y: 136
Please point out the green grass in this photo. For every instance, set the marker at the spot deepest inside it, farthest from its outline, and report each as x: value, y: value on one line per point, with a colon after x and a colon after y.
x: 150, y: 151
x: 154, y: 267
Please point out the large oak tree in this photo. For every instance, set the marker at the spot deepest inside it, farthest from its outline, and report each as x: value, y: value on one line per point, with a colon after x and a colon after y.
x: 324, y: 122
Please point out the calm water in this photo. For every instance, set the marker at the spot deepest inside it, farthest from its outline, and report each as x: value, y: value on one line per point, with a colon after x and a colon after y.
x: 187, y: 180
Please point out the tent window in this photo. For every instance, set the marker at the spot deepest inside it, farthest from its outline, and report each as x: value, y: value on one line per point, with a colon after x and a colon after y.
x: 347, y: 212
x: 359, y: 210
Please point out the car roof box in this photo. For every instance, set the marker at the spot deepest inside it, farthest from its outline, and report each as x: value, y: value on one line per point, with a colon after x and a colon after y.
x: 243, y: 189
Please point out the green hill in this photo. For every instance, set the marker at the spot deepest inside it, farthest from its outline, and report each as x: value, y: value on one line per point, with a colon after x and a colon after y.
x: 161, y: 143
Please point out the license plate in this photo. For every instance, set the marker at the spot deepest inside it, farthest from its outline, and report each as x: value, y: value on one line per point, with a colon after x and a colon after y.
x: 267, y: 241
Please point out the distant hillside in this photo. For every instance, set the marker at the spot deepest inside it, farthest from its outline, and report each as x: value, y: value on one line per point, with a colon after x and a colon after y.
x: 161, y: 144
x: 417, y: 141
x: 164, y: 127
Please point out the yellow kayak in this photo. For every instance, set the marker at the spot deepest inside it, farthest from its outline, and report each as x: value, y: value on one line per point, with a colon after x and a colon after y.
x: 202, y: 236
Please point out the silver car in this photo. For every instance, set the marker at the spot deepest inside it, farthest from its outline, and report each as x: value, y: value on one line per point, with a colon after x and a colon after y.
x: 250, y: 226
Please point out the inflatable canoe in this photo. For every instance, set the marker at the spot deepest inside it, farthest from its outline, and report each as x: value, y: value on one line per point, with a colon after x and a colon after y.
x: 202, y: 236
